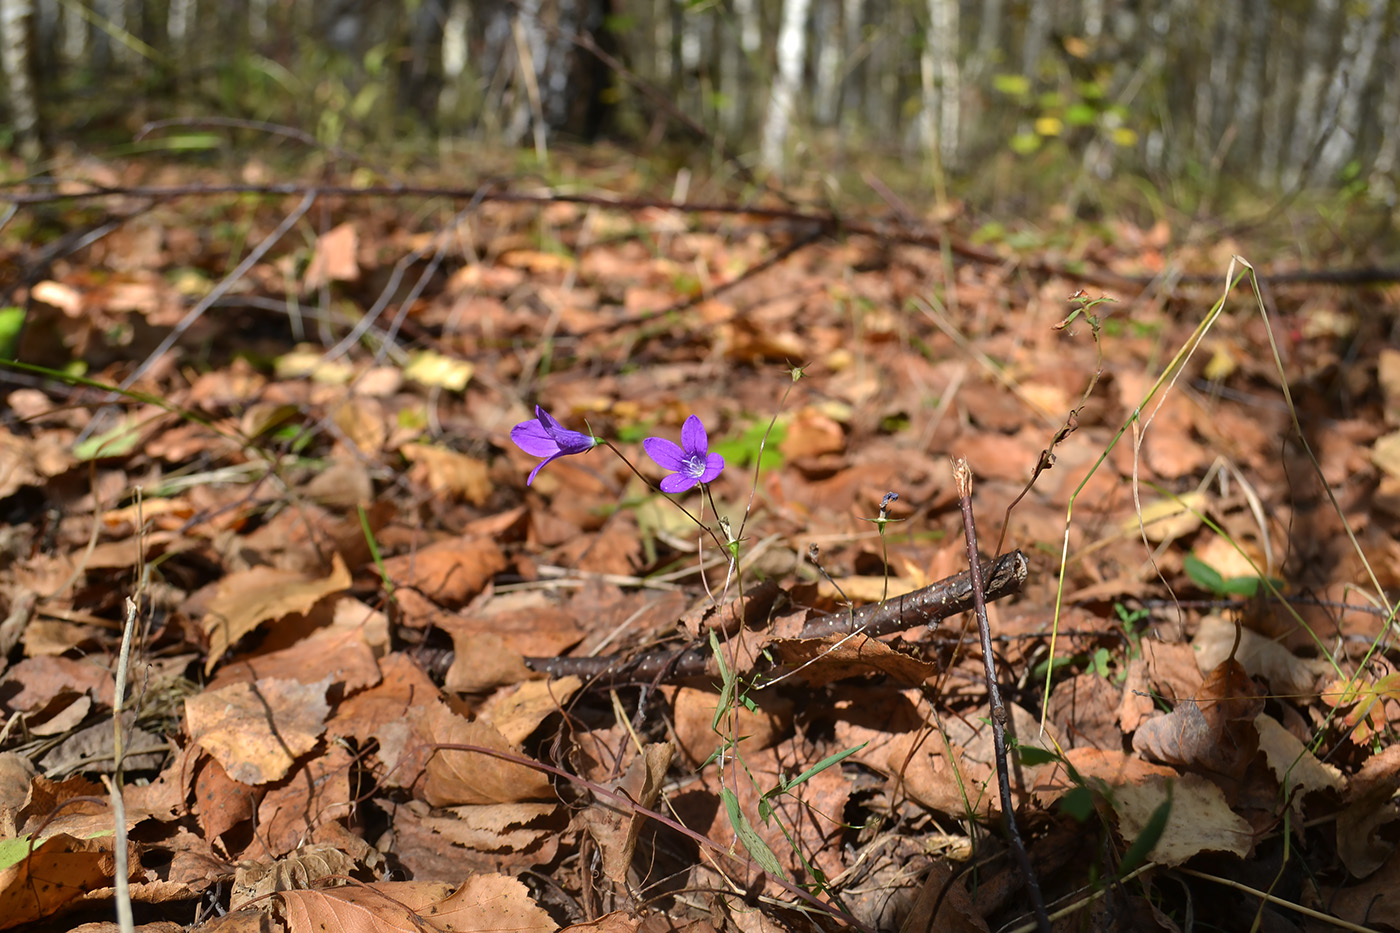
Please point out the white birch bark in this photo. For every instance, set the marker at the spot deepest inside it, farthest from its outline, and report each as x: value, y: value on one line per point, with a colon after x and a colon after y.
x: 15, y: 19
x: 1093, y: 19
x: 1350, y: 80
x: 1308, y: 118
x: 454, y: 56
x: 829, y: 41
x: 939, y: 73
x: 1382, y: 179
x: 1249, y: 86
x: 852, y: 20
x: 1037, y: 28
x: 178, y: 17
x: 750, y: 33
x: 75, y: 32
x: 792, y: 49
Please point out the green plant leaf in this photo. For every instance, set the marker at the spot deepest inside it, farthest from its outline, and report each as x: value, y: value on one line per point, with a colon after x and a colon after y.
x: 11, y: 323
x: 1078, y: 802
x: 816, y: 769
x: 1203, y: 575
x: 1032, y: 755
x: 753, y: 843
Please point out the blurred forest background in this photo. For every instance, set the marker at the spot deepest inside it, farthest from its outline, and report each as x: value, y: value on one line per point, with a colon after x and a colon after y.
x: 1191, y: 102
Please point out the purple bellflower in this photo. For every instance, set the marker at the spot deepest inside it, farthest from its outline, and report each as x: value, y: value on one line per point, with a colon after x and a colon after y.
x: 690, y: 463
x: 545, y: 437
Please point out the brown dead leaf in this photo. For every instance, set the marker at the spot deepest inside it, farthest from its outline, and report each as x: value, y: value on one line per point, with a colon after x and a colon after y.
x: 820, y: 661
x: 1364, y: 841
x: 450, y: 571
x: 335, y: 655
x: 246, y: 599
x: 1373, y: 903
x: 55, y: 875
x: 615, y: 826
x: 258, y: 730
x: 500, y: 828
x: 293, y: 812
x: 1213, y: 730
x: 35, y: 682
x: 943, y: 905
x: 1200, y: 820
x: 693, y: 712
x: 458, y: 777
x: 301, y: 871
x: 619, y: 921
x: 489, y: 903
x: 334, y: 259
x: 811, y: 433
x: 449, y: 473
x: 517, y: 713
x: 1259, y: 656
x: 221, y: 803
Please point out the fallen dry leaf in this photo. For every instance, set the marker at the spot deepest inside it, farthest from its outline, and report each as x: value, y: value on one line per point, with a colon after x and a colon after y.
x: 458, y: 777
x: 450, y: 571
x: 245, y: 600
x: 258, y: 730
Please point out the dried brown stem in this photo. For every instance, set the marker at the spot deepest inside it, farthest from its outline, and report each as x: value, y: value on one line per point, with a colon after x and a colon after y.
x: 962, y: 474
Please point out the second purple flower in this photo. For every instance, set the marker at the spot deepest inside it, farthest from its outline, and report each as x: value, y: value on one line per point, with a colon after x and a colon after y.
x: 690, y: 463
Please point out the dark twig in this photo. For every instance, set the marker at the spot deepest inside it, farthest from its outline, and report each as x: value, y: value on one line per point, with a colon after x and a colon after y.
x: 963, y: 476
x: 927, y: 606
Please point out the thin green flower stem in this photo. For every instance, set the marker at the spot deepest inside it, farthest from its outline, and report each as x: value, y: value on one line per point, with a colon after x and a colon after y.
x: 763, y: 442
x: 650, y: 485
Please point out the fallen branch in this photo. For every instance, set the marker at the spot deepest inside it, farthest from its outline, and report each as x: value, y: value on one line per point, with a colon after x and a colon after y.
x: 928, y: 606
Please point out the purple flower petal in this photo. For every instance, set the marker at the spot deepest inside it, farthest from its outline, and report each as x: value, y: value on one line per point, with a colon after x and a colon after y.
x: 693, y: 436
x: 534, y: 439
x: 539, y: 466
x: 546, y: 437
x: 665, y: 453
x: 714, y: 466
x: 677, y: 482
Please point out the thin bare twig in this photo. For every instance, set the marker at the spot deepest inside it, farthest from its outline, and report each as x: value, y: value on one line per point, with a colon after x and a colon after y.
x: 963, y: 476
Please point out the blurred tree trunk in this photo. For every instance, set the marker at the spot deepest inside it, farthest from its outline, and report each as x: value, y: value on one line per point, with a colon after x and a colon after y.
x: 456, y: 30
x: 792, y: 47
x: 826, y: 96
x: 1351, y: 78
x: 16, y: 48
x: 941, y: 90
x: 1308, y: 119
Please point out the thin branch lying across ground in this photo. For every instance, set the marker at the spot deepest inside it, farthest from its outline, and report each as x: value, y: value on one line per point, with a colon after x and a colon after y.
x: 927, y: 606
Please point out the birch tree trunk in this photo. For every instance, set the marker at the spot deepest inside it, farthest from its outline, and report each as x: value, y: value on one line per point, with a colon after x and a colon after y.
x: 792, y: 48
x: 827, y: 93
x: 1308, y: 116
x: 455, y: 29
x: 1350, y: 82
x: 939, y: 71
x: 16, y: 20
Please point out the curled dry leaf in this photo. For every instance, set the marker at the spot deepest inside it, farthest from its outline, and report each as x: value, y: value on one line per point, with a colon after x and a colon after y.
x: 615, y: 826
x: 1213, y: 730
